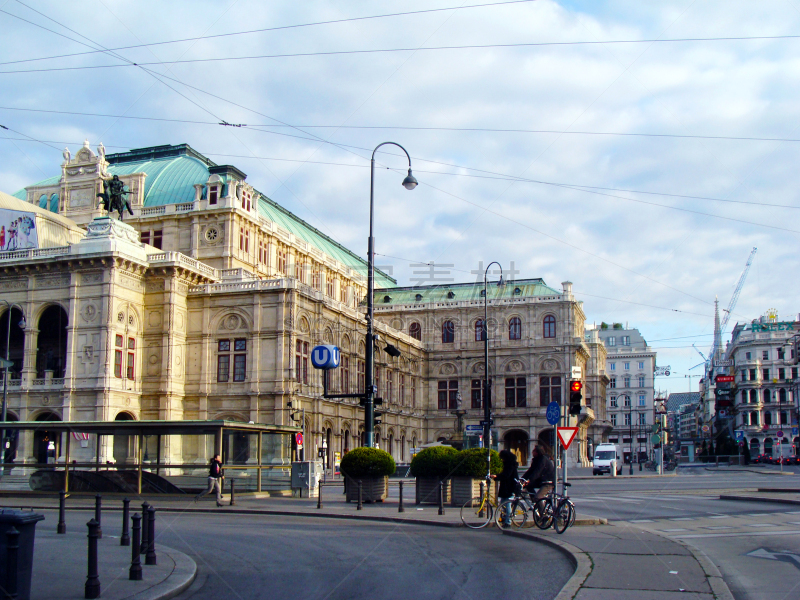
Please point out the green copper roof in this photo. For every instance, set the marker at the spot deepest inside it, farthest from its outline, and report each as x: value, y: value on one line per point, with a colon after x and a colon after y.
x: 457, y: 292
x: 168, y: 181
x: 23, y: 195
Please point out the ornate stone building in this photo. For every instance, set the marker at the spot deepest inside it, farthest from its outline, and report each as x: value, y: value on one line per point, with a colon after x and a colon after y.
x: 206, y: 302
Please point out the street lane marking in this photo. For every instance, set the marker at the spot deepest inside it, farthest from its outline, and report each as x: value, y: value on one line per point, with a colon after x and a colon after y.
x: 717, y: 527
x: 760, y: 525
x: 719, y: 517
x: 673, y: 530
x: 642, y: 521
x: 743, y: 534
x: 682, y: 519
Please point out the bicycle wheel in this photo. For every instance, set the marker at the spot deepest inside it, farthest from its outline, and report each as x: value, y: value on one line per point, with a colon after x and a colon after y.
x: 574, y: 513
x: 476, y: 512
x: 563, y: 517
x: 543, y: 513
x: 512, y: 512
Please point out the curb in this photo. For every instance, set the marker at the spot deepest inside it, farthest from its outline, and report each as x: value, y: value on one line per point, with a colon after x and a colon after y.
x: 718, y: 586
x: 589, y: 521
x: 580, y: 560
x: 728, y: 470
x: 185, y: 572
x: 760, y: 499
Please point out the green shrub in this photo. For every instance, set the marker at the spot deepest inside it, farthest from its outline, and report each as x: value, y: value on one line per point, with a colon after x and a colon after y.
x: 367, y: 462
x: 472, y: 463
x: 433, y: 462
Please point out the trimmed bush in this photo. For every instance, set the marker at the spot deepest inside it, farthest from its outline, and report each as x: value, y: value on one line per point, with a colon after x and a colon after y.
x: 472, y: 463
x: 433, y: 462
x: 367, y: 462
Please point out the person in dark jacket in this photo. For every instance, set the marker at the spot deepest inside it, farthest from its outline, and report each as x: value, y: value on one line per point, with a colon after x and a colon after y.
x: 541, y: 474
x: 508, y: 479
x: 215, y: 474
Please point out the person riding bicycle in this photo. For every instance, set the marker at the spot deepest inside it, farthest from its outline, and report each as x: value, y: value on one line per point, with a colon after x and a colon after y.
x: 508, y: 479
x: 541, y: 473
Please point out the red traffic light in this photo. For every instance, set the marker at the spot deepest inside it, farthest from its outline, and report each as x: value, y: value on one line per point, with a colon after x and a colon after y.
x: 575, y: 386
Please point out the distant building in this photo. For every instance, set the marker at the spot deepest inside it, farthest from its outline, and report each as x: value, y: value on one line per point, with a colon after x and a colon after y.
x: 630, y: 364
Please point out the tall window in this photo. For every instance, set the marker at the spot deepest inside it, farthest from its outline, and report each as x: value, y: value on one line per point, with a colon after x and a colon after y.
x: 224, y: 352
x: 641, y: 380
x: 118, y: 341
x: 401, y: 383
x: 345, y: 373
x: 627, y: 382
x: 549, y: 390
x: 301, y: 361
x: 765, y: 355
x: 642, y: 418
x: 413, y: 401
x: 549, y: 326
x: 613, y: 402
x: 626, y: 340
x: 476, y: 393
x: 131, y: 358
x: 516, y: 392
x: 611, y: 341
x: 378, y: 380
x: 642, y: 400
x: 361, y: 377
x: 765, y: 374
x: 415, y: 331
x: 480, y: 331
x: 213, y: 194
x: 614, y: 419
x: 627, y: 366
x: 389, y: 385
x: 766, y: 396
x: 515, y: 329
x: 448, y: 394
x: 627, y: 418
x: 448, y: 332
x: 330, y: 285
x: 612, y: 366
x: 627, y: 402
x: 612, y: 382
x: 641, y: 365
x: 280, y: 260
x: 782, y: 395
x: 753, y: 396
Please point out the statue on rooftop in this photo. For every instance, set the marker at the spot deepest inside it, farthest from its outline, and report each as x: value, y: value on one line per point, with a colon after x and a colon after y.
x: 113, y: 197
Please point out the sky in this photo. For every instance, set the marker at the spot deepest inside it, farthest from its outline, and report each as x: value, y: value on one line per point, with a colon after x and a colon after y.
x: 611, y: 144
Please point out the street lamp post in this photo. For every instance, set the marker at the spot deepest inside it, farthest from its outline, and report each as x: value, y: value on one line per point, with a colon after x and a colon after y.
x: 9, y: 307
x: 487, y: 424
x: 369, y: 392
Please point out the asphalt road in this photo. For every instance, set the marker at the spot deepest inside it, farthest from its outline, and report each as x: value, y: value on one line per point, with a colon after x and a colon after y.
x: 249, y: 556
x: 755, y: 545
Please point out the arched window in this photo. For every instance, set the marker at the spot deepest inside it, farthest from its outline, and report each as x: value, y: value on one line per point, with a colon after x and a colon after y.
x: 782, y: 395
x: 54, y: 203
x: 448, y: 332
x: 515, y: 329
x: 480, y: 331
x: 549, y: 326
x: 766, y: 396
x: 754, y: 418
x: 43, y: 201
x: 415, y: 331
x: 767, y: 418
x: 744, y: 396
x: 753, y: 396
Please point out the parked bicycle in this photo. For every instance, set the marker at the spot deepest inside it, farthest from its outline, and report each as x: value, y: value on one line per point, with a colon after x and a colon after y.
x: 651, y: 465
x: 554, y: 510
x: 477, y: 512
x: 514, y: 510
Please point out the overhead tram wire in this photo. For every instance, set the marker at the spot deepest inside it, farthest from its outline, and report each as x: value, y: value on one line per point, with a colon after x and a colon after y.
x: 408, y: 49
x: 279, y: 28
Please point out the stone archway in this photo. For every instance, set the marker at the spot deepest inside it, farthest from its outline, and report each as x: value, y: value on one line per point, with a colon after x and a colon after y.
x: 46, y: 443
x: 124, y: 448
x: 516, y: 441
x: 51, y: 354
x: 548, y: 438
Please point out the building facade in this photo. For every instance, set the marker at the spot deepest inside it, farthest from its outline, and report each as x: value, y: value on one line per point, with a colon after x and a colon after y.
x: 630, y: 364
x: 206, y: 302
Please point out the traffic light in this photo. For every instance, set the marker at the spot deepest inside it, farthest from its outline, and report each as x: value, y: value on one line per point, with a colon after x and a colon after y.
x: 376, y: 420
x: 575, y: 397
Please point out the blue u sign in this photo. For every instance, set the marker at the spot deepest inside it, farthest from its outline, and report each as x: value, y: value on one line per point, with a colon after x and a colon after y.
x: 325, y: 357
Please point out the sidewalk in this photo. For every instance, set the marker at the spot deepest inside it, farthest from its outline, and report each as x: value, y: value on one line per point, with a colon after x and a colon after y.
x: 60, y: 567
x: 624, y: 562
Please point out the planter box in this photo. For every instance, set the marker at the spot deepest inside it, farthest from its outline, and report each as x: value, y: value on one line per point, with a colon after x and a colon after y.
x: 427, y: 490
x: 463, y: 488
x: 373, y: 489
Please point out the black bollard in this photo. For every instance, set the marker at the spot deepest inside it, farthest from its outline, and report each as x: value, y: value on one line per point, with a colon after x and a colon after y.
x: 135, y: 572
x: 319, y: 495
x: 145, y: 527
x: 92, y: 587
x: 360, y: 503
x: 125, y: 538
x: 12, y: 563
x: 441, y: 497
x: 150, y: 557
x: 62, y: 502
x: 98, y: 509
x: 400, y: 507
x: 233, y: 492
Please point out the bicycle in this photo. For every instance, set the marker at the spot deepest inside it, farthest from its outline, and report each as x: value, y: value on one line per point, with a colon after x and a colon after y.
x: 477, y: 512
x: 514, y: 510
x: 651, y: 465
x: 554, y: 510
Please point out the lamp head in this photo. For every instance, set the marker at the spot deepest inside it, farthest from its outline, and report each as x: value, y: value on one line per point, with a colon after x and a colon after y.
x: 410, y: 181
x: 392, y: 351
x: 22, y: 323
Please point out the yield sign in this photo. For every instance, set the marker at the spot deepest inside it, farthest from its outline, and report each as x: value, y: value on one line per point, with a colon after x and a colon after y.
x: 566, y: 435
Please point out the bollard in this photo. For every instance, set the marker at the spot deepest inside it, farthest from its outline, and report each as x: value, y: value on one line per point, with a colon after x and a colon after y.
x: 98, y: 509
x: 400, y: 507
x: 135, y: 572
x: 12, y: 563
x: 441, y: 497
x: 150, y: 557
x: 92, y: 587
x: 125, y: 538
x: 319, y: 495
x: 62, y: 502
x: 360, y: 503
x: 481, y: 513
x: 233, y: 492
x: 145, y: 528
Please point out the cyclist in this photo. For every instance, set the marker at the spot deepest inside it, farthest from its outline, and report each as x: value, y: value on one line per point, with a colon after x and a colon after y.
x: 541, y: 473
x: 507, y: 478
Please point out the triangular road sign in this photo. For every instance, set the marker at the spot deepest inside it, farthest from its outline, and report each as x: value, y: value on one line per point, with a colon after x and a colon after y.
x: 566, y: 435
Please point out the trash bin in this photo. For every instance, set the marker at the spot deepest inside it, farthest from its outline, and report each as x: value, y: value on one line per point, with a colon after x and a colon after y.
x: 25, y: 523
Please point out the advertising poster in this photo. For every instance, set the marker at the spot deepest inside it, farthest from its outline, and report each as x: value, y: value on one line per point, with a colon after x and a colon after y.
x: 17, y: 230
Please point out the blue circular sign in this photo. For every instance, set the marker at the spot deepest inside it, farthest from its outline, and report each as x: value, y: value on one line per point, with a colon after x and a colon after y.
x: 553, y: 412
x: 325, y: 357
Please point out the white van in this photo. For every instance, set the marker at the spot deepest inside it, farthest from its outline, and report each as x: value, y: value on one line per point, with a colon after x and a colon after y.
x: 606, y: 458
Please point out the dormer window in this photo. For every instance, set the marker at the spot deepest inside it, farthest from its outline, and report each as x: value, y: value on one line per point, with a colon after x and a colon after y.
x: 517, y: 291
x: 451, y: 295
x: 213, y: 194
x: 483, y: 293
x: 418, y: 297
x: 387, y: 299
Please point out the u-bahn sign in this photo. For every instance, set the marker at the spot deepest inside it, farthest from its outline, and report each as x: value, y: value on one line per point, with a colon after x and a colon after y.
x: 325, y: 357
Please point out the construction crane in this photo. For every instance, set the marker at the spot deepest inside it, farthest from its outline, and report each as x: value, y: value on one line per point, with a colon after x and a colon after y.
x: 718, y: 331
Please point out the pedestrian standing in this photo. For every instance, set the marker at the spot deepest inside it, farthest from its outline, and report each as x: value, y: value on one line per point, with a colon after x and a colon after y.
x: 215, y: 474
x: 508, y: 479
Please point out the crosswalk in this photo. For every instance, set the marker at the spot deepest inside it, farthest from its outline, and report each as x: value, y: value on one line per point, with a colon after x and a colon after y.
x: 723, y: 525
